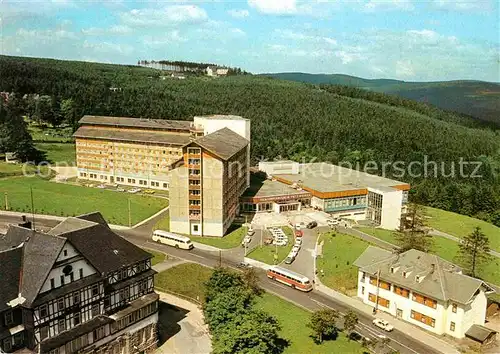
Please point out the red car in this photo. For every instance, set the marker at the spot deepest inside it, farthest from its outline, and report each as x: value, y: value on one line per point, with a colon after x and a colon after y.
x: 299, y: 233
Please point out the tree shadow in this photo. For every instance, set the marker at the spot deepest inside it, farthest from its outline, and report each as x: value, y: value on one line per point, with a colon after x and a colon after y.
x: 331, y: 337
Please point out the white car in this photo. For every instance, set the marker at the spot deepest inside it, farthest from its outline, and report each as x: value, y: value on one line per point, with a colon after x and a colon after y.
x: 246, y: 240
x: 101, y: 186
x: 298, y: 241
x: 134, y: 190
x: 250, y: 232
x: 298, y: 226
x: 296, y: 248
x: 120, y: 189
x: 380, y: 323
x: 293, y: 253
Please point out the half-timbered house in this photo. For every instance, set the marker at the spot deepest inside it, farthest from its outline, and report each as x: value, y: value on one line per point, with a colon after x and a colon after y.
x: 77, y: 288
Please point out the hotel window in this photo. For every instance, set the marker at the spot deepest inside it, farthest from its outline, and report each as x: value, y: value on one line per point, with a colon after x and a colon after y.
x: 362, y: 290
x: 165, y: 185
x: 76, y: 298
x: 9, y: 318
x: 76, y: 319
x: 43, y: 311
x: 95, y: 290
x: 44, y: 332
x: 95, y: 310
x: 452, y: 326
x: 52, y: 283
x: 61, y: 324
x: 60, y: 304
x: 194, y: 202
x: 454, y: 308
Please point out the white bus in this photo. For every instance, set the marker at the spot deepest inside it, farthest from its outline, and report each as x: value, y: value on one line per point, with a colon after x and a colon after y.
x: 171, y: 239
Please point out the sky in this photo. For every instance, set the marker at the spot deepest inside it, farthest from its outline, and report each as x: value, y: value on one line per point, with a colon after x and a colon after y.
x: 412, y: 40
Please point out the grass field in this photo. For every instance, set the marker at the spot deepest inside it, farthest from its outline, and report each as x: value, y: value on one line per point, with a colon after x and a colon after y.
x: 158, y: 257
x: 293, y: 321
x: 58, y: 153
x: 48, y: 134
x: 68, y: 200
x: 460, y: 225
x: 446, y: 249
x: 231, y: 240
x: 339, y: 253
x: 187, y: 279
x: 266, y: 253
x: 163, y: 224
x: 15, y: 169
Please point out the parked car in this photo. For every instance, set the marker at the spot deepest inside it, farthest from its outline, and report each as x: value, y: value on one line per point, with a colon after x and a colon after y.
x: 268, y: 240
x: 134, y: 190
x: 289, y: 259
x: 101, y: 186
x: 298, y: 226
x: 298, y: 233
x: 120, y: 189
x: 333, y: 222
x: 251, y: 232
x: 149, y: 191
x: 380, y: 323
x: 312, y: 225
x: 296, y: 248
x: 246, y: 240
x: 243, y: 265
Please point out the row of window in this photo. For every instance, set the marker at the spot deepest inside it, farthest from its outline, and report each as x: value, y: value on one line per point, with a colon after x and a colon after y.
x: 417, y: 316
x: 67, y: 301
x: 134, y: 317
x: 12, y: 342
x: 129, y: 271
x: 122, y: 180
x: 405, y: 293
x: 381, y: 301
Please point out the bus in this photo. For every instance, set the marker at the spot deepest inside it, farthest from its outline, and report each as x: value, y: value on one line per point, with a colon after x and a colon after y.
x: 171, y: 239
x: 292, y: 279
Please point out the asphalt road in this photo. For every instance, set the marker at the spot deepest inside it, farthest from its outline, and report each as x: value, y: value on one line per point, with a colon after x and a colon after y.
x: 140, y: 236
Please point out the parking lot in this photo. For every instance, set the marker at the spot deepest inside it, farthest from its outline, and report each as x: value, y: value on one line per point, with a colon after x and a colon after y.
x: 304, y: 262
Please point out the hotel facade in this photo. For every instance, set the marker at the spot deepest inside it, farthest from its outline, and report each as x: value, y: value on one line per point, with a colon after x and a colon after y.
x: 204, y: 163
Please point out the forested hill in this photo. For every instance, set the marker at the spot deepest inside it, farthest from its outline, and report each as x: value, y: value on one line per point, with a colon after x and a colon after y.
x: 289, y: 120
x: 475, y: 98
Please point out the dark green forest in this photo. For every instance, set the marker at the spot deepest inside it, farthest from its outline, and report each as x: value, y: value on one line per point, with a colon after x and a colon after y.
x: 479, y: 99
x: 292, y: 120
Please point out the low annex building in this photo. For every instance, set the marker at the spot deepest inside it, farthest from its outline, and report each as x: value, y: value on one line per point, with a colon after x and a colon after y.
x: 422, y: 289
x: 337, y: 190
x: 77, y: 288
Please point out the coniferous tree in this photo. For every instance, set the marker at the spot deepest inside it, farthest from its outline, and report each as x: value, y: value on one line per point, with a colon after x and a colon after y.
x: 474, y: 251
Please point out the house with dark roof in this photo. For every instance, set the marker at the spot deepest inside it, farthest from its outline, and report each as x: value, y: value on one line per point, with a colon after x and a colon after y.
x: 423, y: 289
x: 79, y: 287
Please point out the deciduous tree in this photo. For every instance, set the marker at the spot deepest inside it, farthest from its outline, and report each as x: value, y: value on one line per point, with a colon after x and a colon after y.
x: 350, y: 322
x: 324, y: 324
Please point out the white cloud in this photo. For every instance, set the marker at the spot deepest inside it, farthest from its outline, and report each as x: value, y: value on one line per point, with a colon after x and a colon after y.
x: 238, y: 32
x: 274, y: 7
x: 376, y: 5
x: 300, y: 36
x: 108, y: 48
x: 164, y: 39
x: 45, y: 35
x: 164, y: 17
x: 404, y: 69
x: 238, y: 13
x: 113, y: 30
x: 465, y: 5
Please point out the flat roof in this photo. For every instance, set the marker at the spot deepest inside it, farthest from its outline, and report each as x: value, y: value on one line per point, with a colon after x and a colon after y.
x: 265, y: 188
x: 222, y: 116
x: 136, y: 122
x: 324, y: 177
x: 135, y: 136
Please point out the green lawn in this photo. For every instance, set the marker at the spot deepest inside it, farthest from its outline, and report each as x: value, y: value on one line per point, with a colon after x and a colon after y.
x: 460, y: 225
x: 339, y: 253
x: 231, y: 240
x: 69, y: 200
x: 58, y: 153
x: 15, y: 169
x: 163, y: 224
x: 293, y: 321
x: 265, y: 253
x: 158, y: 257
x: 186, y: 279
x: 444, y: 248
x: 49, y: 134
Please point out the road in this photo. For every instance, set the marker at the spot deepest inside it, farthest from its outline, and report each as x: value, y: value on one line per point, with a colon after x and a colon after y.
x: 311, y: 301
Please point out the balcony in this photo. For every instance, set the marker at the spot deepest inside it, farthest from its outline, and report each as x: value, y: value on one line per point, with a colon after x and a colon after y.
x: 194, y: 197
x: 195, y: 177
x: 194, y: 156
x: 194, y: 187
x: 195, y: 217
x: 194, y: 166
x: 195, y: 207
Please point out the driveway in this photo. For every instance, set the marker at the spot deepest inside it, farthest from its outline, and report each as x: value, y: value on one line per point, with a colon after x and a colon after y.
x: 304, y: 262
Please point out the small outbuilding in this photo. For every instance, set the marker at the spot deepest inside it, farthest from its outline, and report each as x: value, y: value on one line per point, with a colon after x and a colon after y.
x: 481, y: 334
